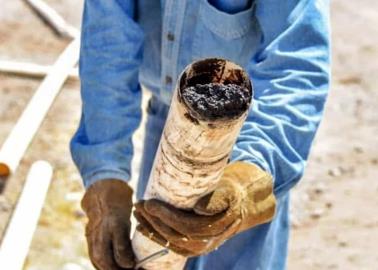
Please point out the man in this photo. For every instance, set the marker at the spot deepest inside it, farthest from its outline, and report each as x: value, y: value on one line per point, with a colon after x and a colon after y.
x: 284, y: 46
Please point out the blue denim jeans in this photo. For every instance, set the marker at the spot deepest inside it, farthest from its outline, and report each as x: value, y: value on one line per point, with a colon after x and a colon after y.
x: 263, y: 247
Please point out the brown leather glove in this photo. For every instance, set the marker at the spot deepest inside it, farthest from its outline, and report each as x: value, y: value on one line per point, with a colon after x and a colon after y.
x: 108, y: 205
x: 243, y: 199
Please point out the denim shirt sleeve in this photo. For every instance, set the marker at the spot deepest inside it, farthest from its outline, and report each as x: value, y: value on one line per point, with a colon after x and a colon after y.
x: 110, y: 56
x: 290, y: 74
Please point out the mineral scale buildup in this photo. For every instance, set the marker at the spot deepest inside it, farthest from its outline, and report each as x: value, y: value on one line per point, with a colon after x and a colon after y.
x: 216, y: 101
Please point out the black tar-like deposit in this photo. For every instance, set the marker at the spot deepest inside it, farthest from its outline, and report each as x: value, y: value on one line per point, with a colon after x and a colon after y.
x: 214, y: 101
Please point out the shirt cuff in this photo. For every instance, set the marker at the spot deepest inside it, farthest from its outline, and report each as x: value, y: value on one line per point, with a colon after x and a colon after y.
x: 251, y: 157
x: 92, y: 178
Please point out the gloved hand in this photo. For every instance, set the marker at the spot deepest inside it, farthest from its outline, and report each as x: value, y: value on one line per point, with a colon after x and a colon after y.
x: 243, y: 199
x: 108, y: 205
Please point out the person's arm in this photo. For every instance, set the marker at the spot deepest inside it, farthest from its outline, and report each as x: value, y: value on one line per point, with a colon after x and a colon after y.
x: 290, y: 75
x: 110, y: 57
x: 111, y: 53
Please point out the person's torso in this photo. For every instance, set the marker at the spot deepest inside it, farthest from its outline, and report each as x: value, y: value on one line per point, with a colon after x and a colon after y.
x: 179, y: 32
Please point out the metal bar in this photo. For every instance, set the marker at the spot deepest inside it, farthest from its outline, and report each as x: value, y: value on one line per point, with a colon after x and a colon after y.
x: 152, y: 257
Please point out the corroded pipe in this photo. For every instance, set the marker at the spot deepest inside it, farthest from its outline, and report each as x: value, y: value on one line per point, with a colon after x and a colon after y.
x: 208, y: 109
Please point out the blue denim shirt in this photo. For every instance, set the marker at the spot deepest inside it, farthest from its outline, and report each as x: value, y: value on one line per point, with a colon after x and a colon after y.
x: 284, y: 45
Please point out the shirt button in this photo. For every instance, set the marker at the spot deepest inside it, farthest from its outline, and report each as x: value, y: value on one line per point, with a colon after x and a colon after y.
x: 170, y: 37
x: 168, y: 79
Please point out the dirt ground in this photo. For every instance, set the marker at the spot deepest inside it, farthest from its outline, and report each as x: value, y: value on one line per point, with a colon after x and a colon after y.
x: 334, y: 208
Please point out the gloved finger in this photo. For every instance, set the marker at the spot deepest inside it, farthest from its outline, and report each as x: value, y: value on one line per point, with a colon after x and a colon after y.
x: 267, y: 209
x: 147, y: 230
x: 260, y: 212
x: 216, y: 202
x: 261, y: 188
x: 100, y: 250
x: 205, y: 245
x: 160, y: 240
x: 184, y: 222
x: 167, y: 232
x: 174, y: 238
x: 123, y: 252
x: 187, y: 222
x: 219, y: 240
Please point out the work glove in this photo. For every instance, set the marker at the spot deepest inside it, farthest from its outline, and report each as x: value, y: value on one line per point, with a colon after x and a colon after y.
x: 108, y: 205
x: 243, y: 199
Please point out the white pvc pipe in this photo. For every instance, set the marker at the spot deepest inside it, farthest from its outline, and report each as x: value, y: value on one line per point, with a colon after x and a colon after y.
x: 19, y: 234
x: 27, y: 125
x: 192, y: 153
x: 31, y: 69
x: 54, y: 19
